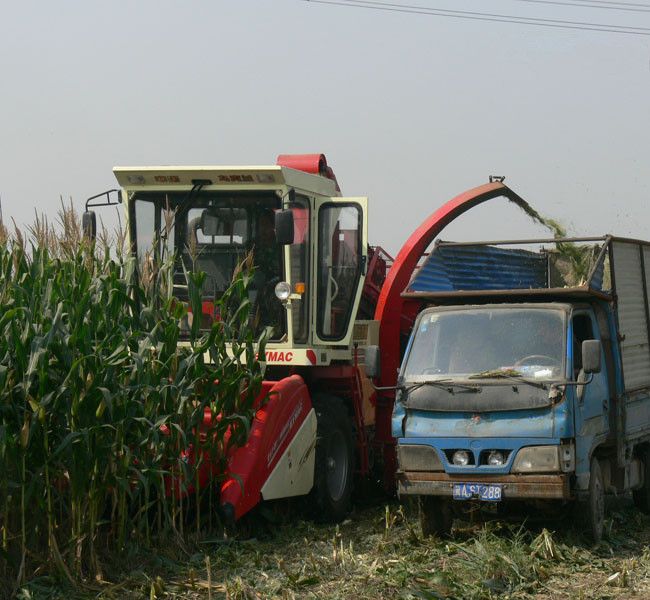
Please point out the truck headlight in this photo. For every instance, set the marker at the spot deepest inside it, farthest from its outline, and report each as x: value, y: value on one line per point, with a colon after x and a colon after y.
x: 537, y: 459
x: 496, y: 459
x: 460, y: 458
x: 418, y: 457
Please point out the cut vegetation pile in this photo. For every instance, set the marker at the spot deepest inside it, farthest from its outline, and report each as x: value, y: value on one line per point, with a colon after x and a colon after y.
x: 379, y: 553
x: 98, y: 402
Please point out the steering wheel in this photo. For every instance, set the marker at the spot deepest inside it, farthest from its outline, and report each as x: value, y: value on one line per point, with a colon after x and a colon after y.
x: 533, y: 359
x: 335, y: 293
x: 431, y: 371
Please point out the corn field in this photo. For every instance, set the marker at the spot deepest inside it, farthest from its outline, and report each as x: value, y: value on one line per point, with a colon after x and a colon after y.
x: 106, y: 422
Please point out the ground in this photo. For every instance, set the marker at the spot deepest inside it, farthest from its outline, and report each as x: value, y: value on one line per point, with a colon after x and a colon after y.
x: 379, y: 553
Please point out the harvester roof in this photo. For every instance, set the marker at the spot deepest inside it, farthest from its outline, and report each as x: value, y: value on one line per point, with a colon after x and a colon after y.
x: 308, y: 172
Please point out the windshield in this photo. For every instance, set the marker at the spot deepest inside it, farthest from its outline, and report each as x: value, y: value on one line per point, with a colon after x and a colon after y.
x: 487, y: 343
x: 217, y: 233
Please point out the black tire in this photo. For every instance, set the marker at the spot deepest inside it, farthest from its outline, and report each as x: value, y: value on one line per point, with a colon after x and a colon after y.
x: 591, y: 512
x: 436, y: 517
x: 330, y: 497
x: 641, y: 496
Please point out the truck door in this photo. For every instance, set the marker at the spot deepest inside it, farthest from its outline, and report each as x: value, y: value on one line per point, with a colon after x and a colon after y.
x: 591, y: 400
x: 341, y: 255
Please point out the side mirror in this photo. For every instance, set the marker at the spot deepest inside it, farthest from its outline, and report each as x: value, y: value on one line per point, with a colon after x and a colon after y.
x: 372, y: 361
x: 284, y: 232
x: 89, y: 220
x: 209, y: 223
x: 591, y: 351
x: 89, y: 225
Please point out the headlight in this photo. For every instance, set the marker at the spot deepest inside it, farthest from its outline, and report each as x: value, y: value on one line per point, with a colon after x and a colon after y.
x: 537, y: 459
x: 282, y: 290
x: 460, y: 458
x: 496, y: 459
x: 418, y: 457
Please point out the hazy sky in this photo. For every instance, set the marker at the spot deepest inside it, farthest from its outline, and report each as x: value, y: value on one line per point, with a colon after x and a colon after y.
x: 409, y: 109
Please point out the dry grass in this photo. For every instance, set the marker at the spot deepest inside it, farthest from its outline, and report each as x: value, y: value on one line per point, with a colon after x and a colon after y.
x: 379, y: 553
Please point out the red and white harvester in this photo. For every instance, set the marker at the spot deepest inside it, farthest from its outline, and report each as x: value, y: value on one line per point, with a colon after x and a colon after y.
x: 324, y: 293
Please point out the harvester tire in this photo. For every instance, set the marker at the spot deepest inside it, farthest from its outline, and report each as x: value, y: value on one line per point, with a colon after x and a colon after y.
x: 641, y: 496
x: 436, y: 516
x: 329, y: 500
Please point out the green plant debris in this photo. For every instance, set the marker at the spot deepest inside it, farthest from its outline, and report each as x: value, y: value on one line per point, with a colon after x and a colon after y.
x: 379, y: 553
x: 574, y: 261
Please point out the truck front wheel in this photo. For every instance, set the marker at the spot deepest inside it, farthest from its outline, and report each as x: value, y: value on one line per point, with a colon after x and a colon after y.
x: 592, y: 510
x: 436, y: 516
x: 334, y: 465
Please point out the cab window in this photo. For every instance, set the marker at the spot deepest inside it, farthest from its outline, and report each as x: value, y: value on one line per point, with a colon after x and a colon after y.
x: 339, y: 267
x: 299, y: 252
x: 582, y: 330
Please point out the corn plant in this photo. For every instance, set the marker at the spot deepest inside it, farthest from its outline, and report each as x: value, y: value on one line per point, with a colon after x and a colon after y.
x: 106, y: 422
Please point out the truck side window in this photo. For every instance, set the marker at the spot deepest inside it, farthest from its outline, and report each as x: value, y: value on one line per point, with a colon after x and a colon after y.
x: 339, y: 267
x: 582, y: 330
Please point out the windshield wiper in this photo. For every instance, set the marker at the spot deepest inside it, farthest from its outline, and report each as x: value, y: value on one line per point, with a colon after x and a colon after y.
x: 443, y: 384
x: 510, y: 375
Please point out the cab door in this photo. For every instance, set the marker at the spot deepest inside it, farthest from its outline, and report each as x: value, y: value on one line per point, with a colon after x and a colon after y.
x: 340, y: 261
x: 591, y: 400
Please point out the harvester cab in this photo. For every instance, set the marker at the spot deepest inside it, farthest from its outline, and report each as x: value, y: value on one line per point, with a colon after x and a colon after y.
x: 307, y: 245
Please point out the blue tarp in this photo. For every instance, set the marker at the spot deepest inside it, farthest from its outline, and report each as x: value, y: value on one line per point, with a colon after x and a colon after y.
x: 474, y: 268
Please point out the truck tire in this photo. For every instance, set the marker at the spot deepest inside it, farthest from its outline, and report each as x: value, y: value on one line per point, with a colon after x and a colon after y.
x: 436, y: 516
x: 330, y: 497
x: 591, y: 512
x: 641, y: 496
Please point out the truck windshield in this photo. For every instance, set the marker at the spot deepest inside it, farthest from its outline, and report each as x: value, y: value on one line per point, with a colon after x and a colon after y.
x: 217, y: 233
x: 487, y: 343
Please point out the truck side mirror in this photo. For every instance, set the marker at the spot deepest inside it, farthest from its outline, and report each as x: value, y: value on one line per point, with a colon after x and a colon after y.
x: 89, y: 225
x: 284, y: 232
x: 591, y: 356
x: 372, y: 361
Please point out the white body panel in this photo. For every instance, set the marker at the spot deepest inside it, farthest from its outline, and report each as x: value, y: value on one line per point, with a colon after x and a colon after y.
x: 632, y: 313
x: 294, y: 473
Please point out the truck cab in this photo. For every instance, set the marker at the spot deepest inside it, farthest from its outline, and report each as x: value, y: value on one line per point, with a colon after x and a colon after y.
x: 518, y: 384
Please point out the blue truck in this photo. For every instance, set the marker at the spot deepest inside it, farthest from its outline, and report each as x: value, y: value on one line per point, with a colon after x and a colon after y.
x: 526, y: 379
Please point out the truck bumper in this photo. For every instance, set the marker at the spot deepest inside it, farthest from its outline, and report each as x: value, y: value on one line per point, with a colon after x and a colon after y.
x: 543, y: 487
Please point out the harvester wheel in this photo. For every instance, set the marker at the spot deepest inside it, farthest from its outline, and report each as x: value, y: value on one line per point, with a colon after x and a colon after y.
x: 334, y: 466
x: 436, y: 517
x: 642, y: 495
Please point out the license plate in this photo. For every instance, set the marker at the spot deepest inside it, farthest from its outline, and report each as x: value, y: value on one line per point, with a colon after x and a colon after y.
x: 490, y: 492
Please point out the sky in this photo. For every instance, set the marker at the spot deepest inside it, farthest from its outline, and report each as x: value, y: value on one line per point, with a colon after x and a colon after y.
x: 409, y: 109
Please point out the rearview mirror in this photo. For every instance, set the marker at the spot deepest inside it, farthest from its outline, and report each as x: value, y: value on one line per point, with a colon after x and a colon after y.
x: 209, y: 223
x: 89, y: 225
x: 284, y: 232
x: 372, y: 361
x: 591, y: 356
